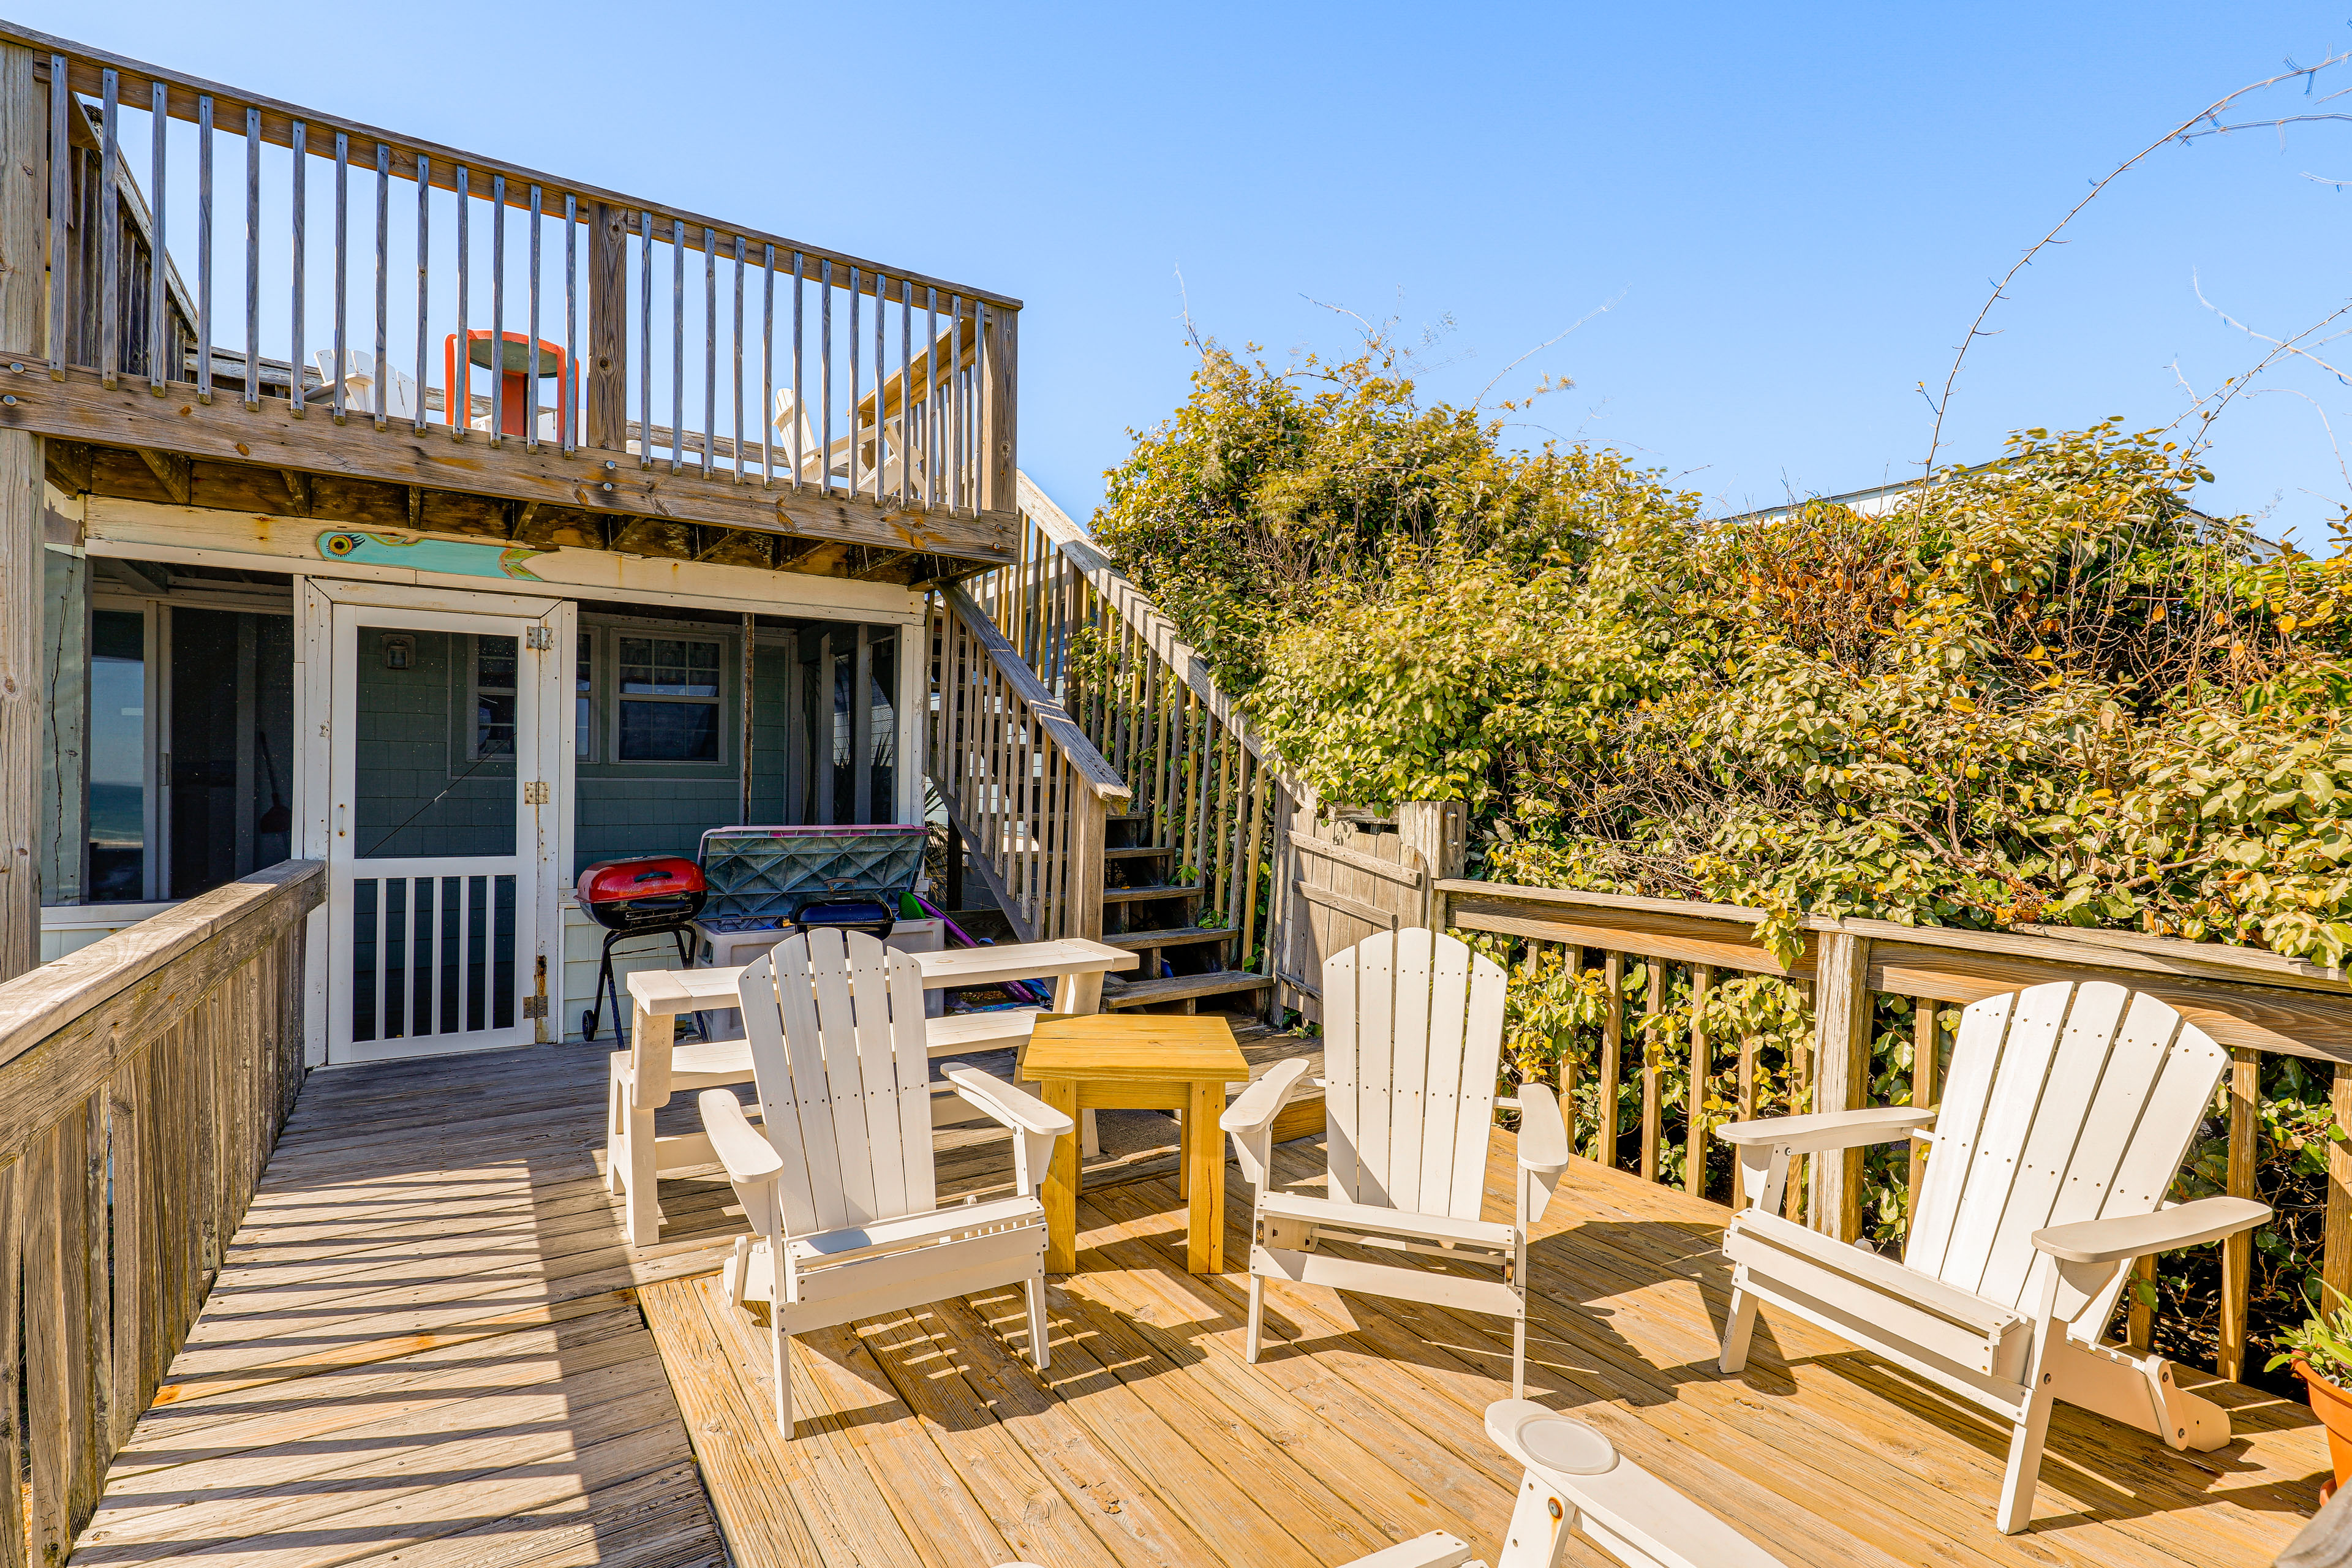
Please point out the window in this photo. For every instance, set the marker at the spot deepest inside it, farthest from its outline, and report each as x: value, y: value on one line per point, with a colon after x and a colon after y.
x: 583, y: 707
x: 668, y: 701
x: 494, y: 696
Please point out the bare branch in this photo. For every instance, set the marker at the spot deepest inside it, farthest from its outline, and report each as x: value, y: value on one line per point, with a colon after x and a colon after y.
x: 2212, y: 111
x: 1602, y: 310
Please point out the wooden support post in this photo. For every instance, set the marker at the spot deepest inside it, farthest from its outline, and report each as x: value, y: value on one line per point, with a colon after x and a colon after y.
x: 999, y: 459
x: 1654, y: 1003
x: 1613, y: 1047
x: 2335, y: 1247
x: 24, y: 190
x: 751, y: 631
x: 1439, y: 830
x: 1702, y: 1068
x: 1927, y: 1061
x: 1842, y: 999
x: 607, y: 388
x: 2238, y: 1251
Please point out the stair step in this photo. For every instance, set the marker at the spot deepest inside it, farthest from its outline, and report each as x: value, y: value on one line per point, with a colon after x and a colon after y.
x: 1181, y: 987
x: 1178, y: 936
x: 1136, y: 852
x: 1143, y: 895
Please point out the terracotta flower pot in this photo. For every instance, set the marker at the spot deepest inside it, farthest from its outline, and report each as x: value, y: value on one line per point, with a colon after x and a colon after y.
x: 2333, y: 1405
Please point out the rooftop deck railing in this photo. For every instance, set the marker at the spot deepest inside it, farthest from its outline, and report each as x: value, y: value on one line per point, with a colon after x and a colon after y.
x: 207, y: 239
x: 143, y: 1079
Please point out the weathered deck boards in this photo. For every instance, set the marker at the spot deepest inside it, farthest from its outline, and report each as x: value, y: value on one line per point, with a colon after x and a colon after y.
x: 426, y: 1344
x: 924, y: 1439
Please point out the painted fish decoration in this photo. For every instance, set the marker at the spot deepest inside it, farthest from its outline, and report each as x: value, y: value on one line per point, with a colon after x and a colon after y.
x: 449, y: 556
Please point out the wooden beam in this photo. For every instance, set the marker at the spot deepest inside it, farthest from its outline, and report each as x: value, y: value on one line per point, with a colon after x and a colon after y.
x: 876, y: 562
x: 298, y: 486
x: 415, y: 506
x: 23, y: 193
x: 80, y: 408
x: 171, y: 472
x: 69, y: 465
x: 1842, y: 1007
x: 519, y: 517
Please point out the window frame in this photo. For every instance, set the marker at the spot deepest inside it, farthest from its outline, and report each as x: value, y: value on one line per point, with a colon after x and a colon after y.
x: 605, y: 696
x: 471, y: 716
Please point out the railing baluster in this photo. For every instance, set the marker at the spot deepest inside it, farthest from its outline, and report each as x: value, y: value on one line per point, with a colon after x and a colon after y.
x: 646, y: 341
x: 930, y: 395
x: 159, y: 365
x: 676, y: 343
x: 856, y: 456
x: 301, y: 172
x: 253, y: 258
x: 342, y: 269
x: 60, y: 201
x: 423, y: 278
x: 954, y: 459
x: 458, y: 370
x: 906, y: 384
x: 738, y: 384
x: 110, y: 233
x: 203, y: 247
x: 799, y: 408
x: 498, y: 312
x: 531, y: 310
x: 824, y: 373
x: 768, y: 366
x: 1701, y: 1068
x: 383, y: 365
x: 567, y: 417
x: 881, y: 389
x: 709, y: 346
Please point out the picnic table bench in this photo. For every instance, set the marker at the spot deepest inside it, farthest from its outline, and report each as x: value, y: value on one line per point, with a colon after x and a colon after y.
x: 651, y: 1067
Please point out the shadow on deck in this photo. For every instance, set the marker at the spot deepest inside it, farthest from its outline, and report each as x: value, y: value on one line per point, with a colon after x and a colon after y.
x: 426, y: 1345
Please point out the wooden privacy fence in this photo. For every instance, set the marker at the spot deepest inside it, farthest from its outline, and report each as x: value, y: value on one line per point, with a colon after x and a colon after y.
x: 143, y: 1082
x: 2249, y: 1001
x: 1023, y: 786
x: 1342, y: 877
x: 1202, y: 782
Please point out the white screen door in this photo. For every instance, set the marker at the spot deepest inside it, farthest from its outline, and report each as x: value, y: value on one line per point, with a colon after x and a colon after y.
x: 444, y: 775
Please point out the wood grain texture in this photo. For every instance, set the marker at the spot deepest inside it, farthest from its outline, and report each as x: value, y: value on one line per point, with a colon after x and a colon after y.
x: 24, y: 127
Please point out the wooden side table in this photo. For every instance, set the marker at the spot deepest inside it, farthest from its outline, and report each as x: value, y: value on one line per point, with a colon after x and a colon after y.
x: 1139, y: 1061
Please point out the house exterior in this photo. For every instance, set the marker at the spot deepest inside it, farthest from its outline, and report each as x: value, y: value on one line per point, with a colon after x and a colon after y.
x: 664, y: 569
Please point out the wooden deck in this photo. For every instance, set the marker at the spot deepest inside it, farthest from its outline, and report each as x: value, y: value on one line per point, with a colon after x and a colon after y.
x: 428, y: 1346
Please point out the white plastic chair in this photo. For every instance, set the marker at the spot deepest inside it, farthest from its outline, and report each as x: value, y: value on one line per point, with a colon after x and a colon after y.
x: 2066, y: 1114
x: 837, y: 1181
x: 1413, y: 1034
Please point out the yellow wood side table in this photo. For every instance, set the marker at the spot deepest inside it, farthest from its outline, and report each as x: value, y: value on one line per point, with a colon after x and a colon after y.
x: 1138, y: 1061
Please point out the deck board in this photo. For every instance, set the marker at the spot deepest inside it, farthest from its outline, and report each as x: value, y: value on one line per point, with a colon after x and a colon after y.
x: 427, y: 1345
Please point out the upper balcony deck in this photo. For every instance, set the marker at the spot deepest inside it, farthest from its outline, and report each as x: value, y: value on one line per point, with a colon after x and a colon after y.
x: 258, y: 306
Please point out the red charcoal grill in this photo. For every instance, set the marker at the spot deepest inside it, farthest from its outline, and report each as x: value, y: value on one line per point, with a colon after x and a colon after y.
x: 644, y: 895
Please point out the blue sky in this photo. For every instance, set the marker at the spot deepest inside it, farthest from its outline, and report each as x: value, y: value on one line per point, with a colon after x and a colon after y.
x: 1791, y: 213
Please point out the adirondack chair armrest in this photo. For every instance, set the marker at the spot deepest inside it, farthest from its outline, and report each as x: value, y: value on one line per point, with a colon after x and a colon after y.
x: 1250, y: 1118
x: 1015, y: 1108
x: 1543, y: 1151
x: 1255, y: 1109
x: 1035, y: 1123
x: 746, y: 1153
x: 1828, y: 1129
x: 2137, y: 1236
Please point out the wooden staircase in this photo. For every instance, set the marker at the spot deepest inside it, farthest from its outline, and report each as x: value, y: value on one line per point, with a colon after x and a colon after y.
x: 1148, y: 911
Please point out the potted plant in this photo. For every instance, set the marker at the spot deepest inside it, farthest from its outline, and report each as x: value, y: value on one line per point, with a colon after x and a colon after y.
x: 2321, y: 1354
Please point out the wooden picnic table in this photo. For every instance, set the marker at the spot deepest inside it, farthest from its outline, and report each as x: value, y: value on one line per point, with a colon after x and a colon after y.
x: 652, y: 1065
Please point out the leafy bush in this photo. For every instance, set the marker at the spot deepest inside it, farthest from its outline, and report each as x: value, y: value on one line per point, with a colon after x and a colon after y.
x: 2042, y: 690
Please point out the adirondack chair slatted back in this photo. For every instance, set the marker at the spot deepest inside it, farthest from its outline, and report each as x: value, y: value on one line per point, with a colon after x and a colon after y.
x: 834, y: 1021
x: 2063, y: 1102
x: 1413, y: 1034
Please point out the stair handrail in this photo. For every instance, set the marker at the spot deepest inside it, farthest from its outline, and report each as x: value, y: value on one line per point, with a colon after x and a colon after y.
x: 1024, y: 785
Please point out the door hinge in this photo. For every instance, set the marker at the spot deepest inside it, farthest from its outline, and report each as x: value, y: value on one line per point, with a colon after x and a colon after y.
x: 534, y: 1006
x: 541, y: 637
x: 535, y: 792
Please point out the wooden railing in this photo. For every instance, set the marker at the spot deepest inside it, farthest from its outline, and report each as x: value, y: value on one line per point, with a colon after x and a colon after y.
x: 335, y: 264
x: 2251, y: 1001
x: 1204, y: 785
x: 1023, y: 786
x: 144, y: 1079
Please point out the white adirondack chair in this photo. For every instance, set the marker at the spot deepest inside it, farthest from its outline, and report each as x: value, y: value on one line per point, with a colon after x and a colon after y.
x: 1578, y: 1484
x: 2066, y: 1114
x: 1413, y: 1034
x: 838, y: 1187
